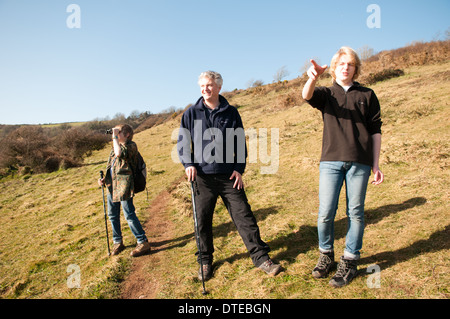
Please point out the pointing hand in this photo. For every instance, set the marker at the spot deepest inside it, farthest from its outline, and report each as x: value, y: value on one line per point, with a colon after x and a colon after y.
x: 316, y: 70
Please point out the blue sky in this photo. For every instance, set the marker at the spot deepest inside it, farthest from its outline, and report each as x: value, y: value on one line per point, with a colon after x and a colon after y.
x: 147, y: 55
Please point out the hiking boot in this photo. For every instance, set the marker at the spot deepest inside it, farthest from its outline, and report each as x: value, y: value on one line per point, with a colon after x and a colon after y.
x: 347, y: 270
x: 270, y: 268
x: 117, y: 248
x: 325, y: 264
x: 207, y: 272
x: 141, y: 249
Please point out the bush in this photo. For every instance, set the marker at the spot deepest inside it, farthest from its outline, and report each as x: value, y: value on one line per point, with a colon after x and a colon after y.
x: 51, y: 148
x: 47, y: 150
x: 382, y: 75
x: 25, y: 146
x: 289, y: 99
x: 76, y: 143
x: 418, y: 53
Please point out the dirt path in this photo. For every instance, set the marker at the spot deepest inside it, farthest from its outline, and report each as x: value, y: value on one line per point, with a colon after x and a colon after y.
x: 143, y: 282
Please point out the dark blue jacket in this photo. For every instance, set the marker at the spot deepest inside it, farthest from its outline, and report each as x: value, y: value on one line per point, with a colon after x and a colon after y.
x: 214, y: 143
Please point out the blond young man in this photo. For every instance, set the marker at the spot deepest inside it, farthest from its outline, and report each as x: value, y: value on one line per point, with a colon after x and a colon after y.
x: 350, y: 149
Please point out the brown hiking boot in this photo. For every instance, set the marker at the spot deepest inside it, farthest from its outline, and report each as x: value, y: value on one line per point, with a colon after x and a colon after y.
x: 117, y: 248
x: 270, y: 268
x: 347, y: 270
x: 207, y: 272
x: 141, y: 249
x: 325, y: 264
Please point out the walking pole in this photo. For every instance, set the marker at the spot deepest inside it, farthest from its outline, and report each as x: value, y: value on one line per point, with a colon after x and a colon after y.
x: 197, y: 237
x: 104, y: 210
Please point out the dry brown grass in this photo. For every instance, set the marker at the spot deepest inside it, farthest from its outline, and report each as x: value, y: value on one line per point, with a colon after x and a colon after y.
x: 416, y: 54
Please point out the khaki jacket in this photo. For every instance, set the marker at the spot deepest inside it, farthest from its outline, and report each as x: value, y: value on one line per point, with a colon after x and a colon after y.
x: 119, y: 174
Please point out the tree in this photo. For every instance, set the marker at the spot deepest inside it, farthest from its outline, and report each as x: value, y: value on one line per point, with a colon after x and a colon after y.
x: 365, y: 52
x: 254, y: 83
x: 281, y: 74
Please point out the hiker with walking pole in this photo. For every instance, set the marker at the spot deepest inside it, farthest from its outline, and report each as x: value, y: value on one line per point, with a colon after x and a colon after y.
x: 119, y: 180
x: 216, y: 166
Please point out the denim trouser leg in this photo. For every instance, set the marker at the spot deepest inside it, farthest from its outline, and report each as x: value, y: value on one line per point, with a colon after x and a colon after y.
x: 130, y: 215
x: 356, y: 186
x: 114, y: 218
x: 332, y: 177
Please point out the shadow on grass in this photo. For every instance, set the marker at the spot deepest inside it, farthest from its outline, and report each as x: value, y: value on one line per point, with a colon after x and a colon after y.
x: 221, y: 230
x: 439, y: 240
x: 224, y: 229
x: 305, y: 238
x: 181, y: 241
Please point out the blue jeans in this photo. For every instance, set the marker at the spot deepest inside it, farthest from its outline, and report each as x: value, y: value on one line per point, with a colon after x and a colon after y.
x: 332, y: 177
x: 130, y: 215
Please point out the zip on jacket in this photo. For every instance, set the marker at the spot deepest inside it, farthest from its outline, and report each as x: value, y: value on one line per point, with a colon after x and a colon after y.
x: 205, y: 142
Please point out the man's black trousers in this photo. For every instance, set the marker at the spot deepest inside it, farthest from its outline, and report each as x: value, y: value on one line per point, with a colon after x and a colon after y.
x: 209, y: 187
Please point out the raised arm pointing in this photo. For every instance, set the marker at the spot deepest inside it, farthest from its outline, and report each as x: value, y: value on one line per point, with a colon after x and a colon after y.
x: 314, y: 72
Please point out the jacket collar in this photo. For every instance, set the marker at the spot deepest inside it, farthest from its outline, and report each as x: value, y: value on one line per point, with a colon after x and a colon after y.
x: 222, y: 106
x: 354, y: 85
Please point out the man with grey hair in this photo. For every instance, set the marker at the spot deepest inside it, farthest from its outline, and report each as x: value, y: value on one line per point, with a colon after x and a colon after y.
x: 209, y: 129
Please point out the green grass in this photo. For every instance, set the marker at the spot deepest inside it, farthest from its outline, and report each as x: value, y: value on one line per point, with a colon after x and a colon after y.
x: 51, y: 221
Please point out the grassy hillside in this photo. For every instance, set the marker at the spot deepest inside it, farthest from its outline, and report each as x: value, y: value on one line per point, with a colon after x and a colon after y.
x: 51, y: 223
